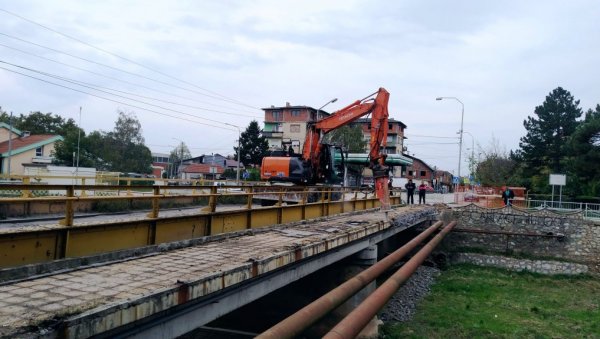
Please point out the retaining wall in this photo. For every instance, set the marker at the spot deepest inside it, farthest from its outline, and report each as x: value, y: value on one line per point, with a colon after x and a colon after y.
x: 541, y: 233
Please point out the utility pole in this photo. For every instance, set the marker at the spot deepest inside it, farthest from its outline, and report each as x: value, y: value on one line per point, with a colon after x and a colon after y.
x: 78, y: 140
x: 9, y: 141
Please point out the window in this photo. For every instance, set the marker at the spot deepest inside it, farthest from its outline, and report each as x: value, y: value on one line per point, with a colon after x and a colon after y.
x: 39, y: 151
x: 295, y: 128
x: 423, y: 173
x: 411, y: 173
x: 295, y: 112
x: 277, y: 116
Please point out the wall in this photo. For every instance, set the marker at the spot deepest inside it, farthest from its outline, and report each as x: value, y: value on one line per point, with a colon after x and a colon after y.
x: 540, y: 234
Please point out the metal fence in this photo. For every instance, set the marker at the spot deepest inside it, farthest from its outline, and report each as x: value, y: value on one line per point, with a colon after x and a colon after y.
x: 590, y: 211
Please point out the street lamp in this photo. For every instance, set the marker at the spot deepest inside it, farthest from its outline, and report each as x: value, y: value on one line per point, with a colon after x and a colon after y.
x: 462, y: 116
x: 320, y: 108
x: 237, y: 175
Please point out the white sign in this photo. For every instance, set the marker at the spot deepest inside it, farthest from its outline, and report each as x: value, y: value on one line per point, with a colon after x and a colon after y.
x: 558, y: 179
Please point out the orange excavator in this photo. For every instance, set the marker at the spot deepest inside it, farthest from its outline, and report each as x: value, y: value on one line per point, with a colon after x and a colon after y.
x: 316, y: 163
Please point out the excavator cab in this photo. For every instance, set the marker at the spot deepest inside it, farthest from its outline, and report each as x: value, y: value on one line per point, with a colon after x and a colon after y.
x: 332, y: 169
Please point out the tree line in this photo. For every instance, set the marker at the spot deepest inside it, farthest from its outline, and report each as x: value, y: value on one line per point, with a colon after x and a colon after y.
x: 560, y: 139
x: 119, y: 150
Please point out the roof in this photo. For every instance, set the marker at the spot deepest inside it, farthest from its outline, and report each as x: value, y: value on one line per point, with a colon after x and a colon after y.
x: 7, y: 126
x: 419, y: 160
x: 390, y: 120
x: 202, y: 168
x: 232, y: 163
x: 20, y: 145
x: 294, y: 107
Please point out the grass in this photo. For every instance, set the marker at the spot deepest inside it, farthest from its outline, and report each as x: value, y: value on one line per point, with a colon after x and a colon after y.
x: 474, y: 302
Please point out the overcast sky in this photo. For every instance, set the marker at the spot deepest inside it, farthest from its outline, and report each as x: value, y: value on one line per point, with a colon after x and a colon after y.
x: 224, y: 60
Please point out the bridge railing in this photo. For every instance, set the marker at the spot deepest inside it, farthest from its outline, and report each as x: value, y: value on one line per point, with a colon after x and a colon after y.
x: 82, y: 197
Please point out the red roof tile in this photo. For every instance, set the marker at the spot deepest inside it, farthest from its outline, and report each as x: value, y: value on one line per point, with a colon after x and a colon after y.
x: 202, y: 168
x: 24, y: 142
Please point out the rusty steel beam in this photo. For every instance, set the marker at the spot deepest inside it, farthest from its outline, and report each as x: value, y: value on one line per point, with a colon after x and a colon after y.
x: 301, y: 320
x: 354, y: 322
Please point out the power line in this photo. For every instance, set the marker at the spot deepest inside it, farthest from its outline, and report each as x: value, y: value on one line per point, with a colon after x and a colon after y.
x: 138, y: 85
x: 106, y: 92
x: 115, y: 101
x: 128, y: 60
x: 95, y: 87
x: 429, y: 136
x: 119, y: 70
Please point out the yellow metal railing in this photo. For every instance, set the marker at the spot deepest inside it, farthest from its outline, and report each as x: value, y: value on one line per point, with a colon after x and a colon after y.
x: 69, y: 239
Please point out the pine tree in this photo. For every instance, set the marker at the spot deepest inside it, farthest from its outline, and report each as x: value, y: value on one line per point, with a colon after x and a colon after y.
x: 253, y: 145
x: 543, y: 148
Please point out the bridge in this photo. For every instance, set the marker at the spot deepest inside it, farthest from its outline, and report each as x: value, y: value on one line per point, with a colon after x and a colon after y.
x: 164, y: 272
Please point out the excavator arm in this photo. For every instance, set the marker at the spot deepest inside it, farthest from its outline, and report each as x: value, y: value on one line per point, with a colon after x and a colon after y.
x: 378, y: 108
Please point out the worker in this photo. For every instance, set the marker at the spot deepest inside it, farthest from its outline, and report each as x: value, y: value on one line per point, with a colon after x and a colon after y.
x: 410, y: 192
x: 422, y: 192
x: 507, y: 195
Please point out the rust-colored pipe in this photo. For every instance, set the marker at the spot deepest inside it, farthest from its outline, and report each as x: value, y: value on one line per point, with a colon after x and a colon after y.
x: 354, y: 322
x: 301, y: 320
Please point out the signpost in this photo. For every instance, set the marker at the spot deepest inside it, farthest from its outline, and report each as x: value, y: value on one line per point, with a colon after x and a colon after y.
x: 558, y: 180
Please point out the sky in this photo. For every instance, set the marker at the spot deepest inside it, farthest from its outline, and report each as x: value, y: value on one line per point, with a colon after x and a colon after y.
x: 192, y: 70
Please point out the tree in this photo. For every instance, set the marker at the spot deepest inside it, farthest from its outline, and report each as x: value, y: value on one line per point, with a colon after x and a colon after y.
x: 584, y: 149
x: 178, y: 154
x: 497, y: 167
x: 124, y: 149
x: 254, y: 146
x: 350, y: 138
x: 543, y: 149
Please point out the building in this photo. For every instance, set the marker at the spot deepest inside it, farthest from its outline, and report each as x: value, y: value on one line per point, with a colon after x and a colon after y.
x: 395, y: 138
x: 20, y: 149
x: 443, y: 181
x: 202, y: 171
x: 420, y: 171
x: 160, y: 164
x: 285, y: 126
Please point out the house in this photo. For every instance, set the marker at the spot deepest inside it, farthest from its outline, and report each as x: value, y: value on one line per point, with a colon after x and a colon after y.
x: 395, y: 137
x: 202, y: 171
x: 419, y: 171
x: 286, y: 126
x: 443, y: 180
x: 160, y: 164
x: 19, y: 149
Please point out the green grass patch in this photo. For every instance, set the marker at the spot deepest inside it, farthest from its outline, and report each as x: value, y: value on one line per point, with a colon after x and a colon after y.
x: 475, y: 302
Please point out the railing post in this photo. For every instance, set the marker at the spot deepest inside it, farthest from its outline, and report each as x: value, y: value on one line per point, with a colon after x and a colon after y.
x: 155, y: 202
x: 26, y: 193
x: 212, y: 201
x: 83, y: 192
x: 249, y: 192
x: 69, y: 212
x: 129, y: 187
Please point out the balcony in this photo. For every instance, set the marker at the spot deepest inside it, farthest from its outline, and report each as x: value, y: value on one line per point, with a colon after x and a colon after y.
x: 273, y: 135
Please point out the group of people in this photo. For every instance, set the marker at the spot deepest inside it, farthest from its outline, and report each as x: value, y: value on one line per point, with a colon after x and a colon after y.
x: 410, y: 192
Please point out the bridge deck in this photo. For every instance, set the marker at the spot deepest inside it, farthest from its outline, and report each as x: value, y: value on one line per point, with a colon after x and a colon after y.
x: 97, y: 298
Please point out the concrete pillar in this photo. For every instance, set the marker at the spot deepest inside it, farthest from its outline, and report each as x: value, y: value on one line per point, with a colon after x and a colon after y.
x: 336, y: 276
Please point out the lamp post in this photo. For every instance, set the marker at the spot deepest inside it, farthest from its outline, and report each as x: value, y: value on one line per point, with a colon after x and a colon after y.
x: 462, y: 116
x: 320, y: 108
x: 237, y: 175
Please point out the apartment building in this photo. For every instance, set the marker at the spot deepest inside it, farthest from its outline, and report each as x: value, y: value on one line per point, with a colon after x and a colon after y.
x: 285, y: 126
